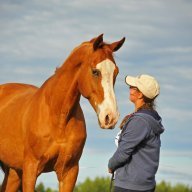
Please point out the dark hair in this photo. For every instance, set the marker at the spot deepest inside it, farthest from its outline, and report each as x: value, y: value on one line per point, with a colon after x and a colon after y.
x: 123, y: 122
x: 149, y: 103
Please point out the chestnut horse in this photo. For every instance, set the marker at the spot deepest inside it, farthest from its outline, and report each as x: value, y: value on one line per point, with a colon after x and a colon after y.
x: 43, y: 129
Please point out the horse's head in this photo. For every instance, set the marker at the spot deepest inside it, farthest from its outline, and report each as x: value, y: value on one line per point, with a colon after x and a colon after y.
x: 97, y: 76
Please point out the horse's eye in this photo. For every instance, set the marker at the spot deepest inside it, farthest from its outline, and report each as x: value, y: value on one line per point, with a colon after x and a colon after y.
x: 96, y: 72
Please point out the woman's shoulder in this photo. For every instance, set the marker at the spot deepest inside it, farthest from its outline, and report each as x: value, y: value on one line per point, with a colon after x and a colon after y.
x: 132, y: 119
x: 138, y: 119
x: 125, y: 120
x: 136, y: 126
x: 136, y: 122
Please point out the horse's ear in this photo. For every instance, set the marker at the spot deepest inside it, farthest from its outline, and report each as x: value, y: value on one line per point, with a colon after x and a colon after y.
x: 116, y: 45
x: 97, y: 42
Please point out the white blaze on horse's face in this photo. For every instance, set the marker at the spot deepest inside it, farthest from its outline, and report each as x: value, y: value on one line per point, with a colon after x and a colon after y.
x: 107, y: 110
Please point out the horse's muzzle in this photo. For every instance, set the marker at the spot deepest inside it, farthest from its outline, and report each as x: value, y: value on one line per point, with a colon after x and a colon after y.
x: 109, y: 120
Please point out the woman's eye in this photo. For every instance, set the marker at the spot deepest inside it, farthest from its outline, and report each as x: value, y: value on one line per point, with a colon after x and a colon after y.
x: 96, y: 72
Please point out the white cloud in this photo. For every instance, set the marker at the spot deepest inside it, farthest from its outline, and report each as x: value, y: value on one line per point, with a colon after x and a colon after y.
x: 185, y: 74
x: 173, y: 50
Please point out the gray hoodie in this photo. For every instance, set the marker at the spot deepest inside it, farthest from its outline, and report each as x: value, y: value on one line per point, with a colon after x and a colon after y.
x: 136, y: 159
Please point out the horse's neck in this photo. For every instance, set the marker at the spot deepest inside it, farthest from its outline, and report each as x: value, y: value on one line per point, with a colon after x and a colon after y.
x: 61, y: 93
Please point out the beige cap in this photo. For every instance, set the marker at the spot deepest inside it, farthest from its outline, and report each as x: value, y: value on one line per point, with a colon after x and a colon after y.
x: 147, y: 84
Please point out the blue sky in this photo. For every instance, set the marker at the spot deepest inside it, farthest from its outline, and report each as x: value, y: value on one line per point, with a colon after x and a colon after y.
x: 37, y: 36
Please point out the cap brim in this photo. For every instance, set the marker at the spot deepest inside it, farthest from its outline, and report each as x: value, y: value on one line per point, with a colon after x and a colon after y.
x: 131, y: 81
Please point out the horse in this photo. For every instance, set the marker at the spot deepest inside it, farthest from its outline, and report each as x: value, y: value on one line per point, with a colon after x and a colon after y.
x: 43, y: 129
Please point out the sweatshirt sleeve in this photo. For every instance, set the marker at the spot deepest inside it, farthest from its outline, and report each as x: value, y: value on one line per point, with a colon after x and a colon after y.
x: 133, y: 134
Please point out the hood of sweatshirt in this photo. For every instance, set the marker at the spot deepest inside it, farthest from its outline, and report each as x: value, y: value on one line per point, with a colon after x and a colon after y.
x: 156, y: 120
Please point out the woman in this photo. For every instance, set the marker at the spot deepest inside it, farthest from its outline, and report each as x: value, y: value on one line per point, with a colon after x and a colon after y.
x: 136, y: 159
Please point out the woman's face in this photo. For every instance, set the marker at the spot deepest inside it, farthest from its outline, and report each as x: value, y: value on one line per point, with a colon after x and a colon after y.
x: 134, y: 94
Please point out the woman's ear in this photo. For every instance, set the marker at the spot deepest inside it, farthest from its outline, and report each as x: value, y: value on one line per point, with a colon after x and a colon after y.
x: 140, y: 95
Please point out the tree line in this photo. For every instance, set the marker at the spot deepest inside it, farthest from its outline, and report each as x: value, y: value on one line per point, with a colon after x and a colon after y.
x: 102, y: 184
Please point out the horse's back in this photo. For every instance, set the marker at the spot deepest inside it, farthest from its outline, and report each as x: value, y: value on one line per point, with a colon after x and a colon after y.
x: 15, y: 95
x: 11, y: 88
x: 13, y: 91
x: 14, y: 99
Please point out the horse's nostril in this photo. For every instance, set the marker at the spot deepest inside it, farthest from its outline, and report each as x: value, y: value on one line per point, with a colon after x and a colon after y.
x: 107, y: 120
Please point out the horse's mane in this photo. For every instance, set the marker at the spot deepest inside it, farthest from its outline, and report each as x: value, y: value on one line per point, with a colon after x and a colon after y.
x: 87, y: 45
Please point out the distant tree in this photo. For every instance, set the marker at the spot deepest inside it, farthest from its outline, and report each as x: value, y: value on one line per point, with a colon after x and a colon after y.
x: 40, y: 188
x: 167, y: 187
x: 50, y: 190
x: 181, y: 188
x: 163, y: 187
x: 99, y: 184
